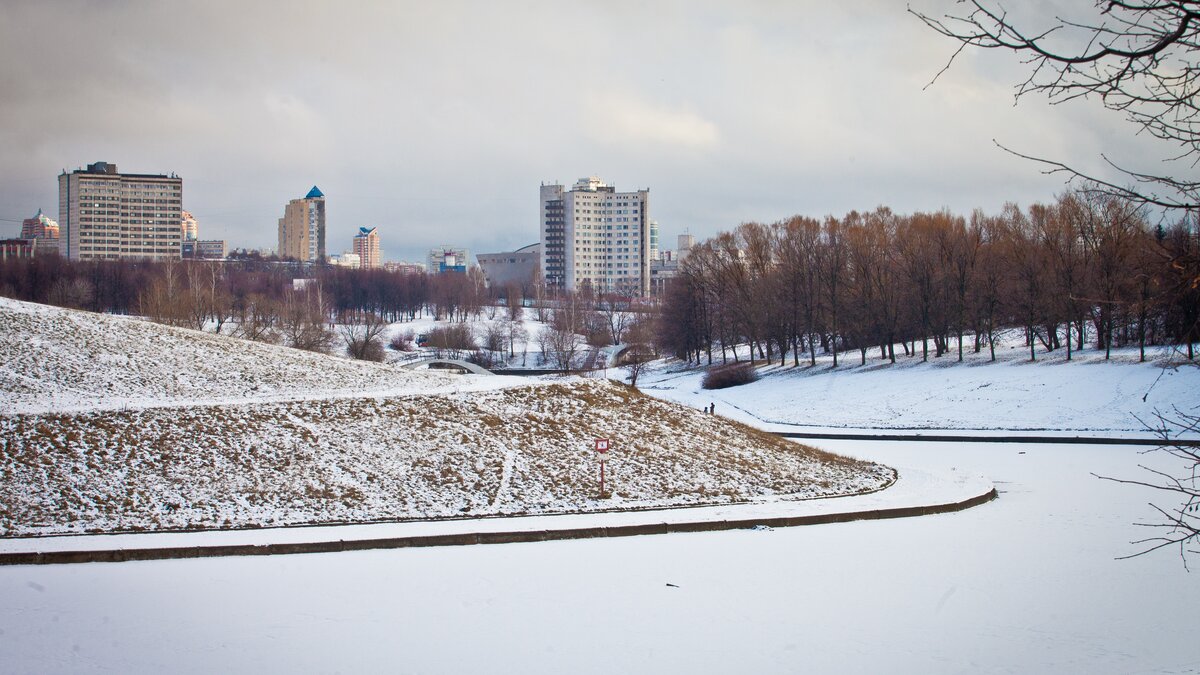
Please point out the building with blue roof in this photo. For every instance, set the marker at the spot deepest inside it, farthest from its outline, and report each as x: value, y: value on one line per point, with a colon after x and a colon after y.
x: 302, y: 228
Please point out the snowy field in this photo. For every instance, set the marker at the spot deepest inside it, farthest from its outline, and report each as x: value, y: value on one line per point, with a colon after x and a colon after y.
x: 1026, y: 583
x: 1087, y: 396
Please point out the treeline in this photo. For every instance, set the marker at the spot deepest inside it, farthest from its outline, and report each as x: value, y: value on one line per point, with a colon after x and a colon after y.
x: 199, y: 293
x: 1087, y: 269
x: 261, y: 300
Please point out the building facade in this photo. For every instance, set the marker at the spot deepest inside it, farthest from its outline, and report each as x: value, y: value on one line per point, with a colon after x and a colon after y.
x: 594, y: 235
x: 346, y: 259
x: 402, y: 267
x: 11, y: 249
x: 511, y: 267
x: 43, y: 229
x: 366, y: 245
x: 448, y: 259
x: 189, y: 228
x: 103, y: 214
x: 207, y: 249
x: 302, y: 228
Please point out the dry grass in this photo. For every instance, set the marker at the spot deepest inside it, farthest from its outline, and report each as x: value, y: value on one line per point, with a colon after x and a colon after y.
x: 521, y: 450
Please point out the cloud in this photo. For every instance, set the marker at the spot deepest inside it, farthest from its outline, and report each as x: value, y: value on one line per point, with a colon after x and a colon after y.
x: 627, y: 119
x: 437, y: 121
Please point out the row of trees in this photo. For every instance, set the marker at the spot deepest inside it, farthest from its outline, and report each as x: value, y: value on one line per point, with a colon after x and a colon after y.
x: 258, y: 300
x: 1087, y: 269
x: 196, y: 293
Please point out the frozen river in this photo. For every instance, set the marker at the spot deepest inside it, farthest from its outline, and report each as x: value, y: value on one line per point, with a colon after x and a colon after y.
x: 1026, y: 583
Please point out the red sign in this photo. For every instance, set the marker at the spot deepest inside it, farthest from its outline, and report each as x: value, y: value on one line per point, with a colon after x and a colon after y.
x: 601, y: 445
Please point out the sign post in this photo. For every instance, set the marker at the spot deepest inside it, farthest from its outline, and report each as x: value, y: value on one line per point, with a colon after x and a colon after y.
x: 602, y: 448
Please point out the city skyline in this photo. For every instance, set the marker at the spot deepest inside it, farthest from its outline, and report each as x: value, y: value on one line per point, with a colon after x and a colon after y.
x: 728, y: 114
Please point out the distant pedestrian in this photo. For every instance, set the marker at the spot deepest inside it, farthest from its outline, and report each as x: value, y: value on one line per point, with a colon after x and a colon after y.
x: 712, y: 409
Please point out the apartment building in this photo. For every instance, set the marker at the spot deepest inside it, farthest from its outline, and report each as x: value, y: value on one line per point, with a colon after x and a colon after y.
x: 366, y: 246
x: 42, y: 228
x: 189, y: 227
x: 302, y: 228
x: 592, y: 234
x: 106, y: 214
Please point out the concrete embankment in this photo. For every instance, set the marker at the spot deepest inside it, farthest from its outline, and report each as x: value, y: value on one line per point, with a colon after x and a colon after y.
x: 916, y: 493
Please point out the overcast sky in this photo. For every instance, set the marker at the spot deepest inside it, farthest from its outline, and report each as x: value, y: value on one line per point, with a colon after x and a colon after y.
x: 436, y: 122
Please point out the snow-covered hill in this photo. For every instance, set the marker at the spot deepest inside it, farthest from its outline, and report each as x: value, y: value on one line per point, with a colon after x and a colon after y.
x: 117, y: 424
x: 56, y: 360
x: 520, y: 450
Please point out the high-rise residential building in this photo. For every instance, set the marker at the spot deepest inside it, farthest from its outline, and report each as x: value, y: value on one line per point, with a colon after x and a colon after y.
x: 686, y: 242
x: 42, y: 228
x: 592, y: 234
x: 448, y: 259
x: 106, y: 214
x: 302, y: 228
x: 189, y: 229
x: 366, y: 245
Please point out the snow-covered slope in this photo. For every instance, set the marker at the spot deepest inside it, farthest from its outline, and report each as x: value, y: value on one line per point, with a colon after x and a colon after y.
x: 521, y: 450
x: 55, y: 360
x: 1088, y: 394
x: 118, y: 424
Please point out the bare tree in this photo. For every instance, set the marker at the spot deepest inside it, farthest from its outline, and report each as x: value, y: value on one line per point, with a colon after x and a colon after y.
x: 363, y: 336
x: 540, y: 302
x: 640, y: 351
x: 514, y: 329
x: 614, y: 307
x: 257, y: 317
x: 1061, y: 237
x: 990, y: 284
x: 1134, y: 56
x: 1110, y: 234
x: 1177, y: 525
x: 302, y: 321
x: 1028, y: 267
x: 561, y: 341
x: 513, y: 301
x: 75, y: 293
x: 160, y: 301
x: 834, y: 268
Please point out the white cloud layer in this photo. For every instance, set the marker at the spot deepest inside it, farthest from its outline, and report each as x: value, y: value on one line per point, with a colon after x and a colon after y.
x: 437, y: 121
x: 624, y: 119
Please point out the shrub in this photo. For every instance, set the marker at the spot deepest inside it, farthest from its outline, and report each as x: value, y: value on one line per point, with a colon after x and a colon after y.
x: 482, y: 358
x: 729, y: 375
x: 455, y: 337
x: 402, y: 342
x: 366, y: 349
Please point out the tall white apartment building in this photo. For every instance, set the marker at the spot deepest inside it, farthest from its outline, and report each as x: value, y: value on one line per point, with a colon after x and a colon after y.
x: 592, y: 234
x: 103, y: 214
